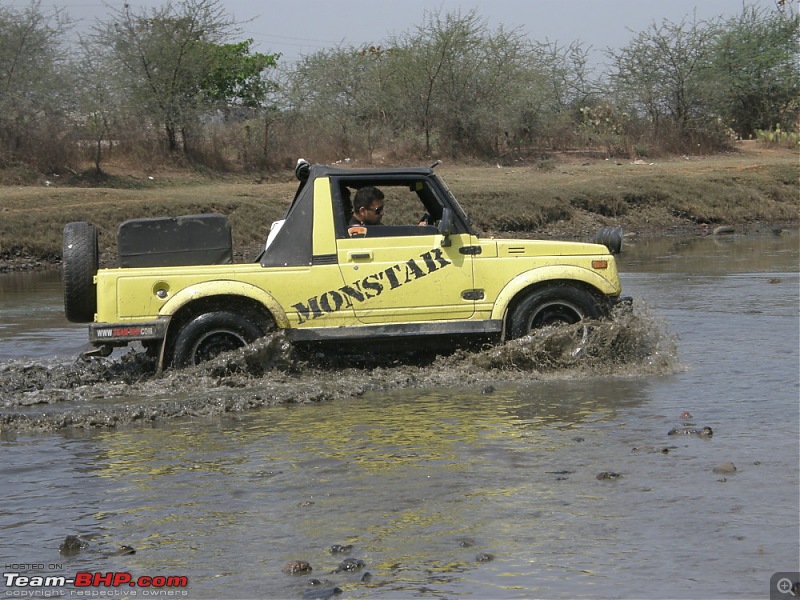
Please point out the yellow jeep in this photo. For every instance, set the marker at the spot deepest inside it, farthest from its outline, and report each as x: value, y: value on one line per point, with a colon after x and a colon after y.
x: 177, y: 291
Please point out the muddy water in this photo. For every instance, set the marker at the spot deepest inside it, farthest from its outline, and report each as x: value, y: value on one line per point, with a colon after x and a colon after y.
x: 475, y: 476
x: 32, y: 320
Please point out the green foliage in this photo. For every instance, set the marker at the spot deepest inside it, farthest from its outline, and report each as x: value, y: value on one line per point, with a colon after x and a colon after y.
x: 455, y: 79
x: 34, y: 90
x: 235, y: 76
x: 161, y: 57
x: 753, y: 78
x: 346, y: 95
x: 701, y: 84
x: 546, y: 165
x: 778, y: 137
x: 173, y: 83
x: 603, y: 125
x: 660, y: 74
x: 174, y: 66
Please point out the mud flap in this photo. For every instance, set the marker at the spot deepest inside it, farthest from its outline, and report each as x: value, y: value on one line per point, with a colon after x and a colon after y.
x: 98, y: 351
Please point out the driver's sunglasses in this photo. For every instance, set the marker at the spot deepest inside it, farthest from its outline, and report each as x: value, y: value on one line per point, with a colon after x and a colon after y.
x: 378, y: 209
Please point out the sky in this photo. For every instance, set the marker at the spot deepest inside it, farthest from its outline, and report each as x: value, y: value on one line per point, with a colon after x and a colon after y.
x: 301, y: 28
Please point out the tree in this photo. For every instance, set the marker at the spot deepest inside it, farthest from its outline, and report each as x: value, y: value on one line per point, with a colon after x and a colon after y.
x: 235, y: 76
x: 97, y: 100
x: 420, y: 60
x: 569, y: 76
x: 480, y: 80
x: 456, y: 79
x: 661, y: 73
x: 562, y: 87
x: 176, y: 65
x: 34, y: 88
x: 342, y: 90
x: 754, y: 81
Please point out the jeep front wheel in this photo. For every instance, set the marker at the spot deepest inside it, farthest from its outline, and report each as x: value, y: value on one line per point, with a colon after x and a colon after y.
x: 554, y: 306
x: 211, y: 334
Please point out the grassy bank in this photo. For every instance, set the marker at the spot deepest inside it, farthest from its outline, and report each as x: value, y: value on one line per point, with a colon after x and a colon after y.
x: 566, y: 195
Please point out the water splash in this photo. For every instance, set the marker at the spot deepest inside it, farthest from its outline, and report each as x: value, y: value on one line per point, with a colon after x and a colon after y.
x: 125, y: 390
x: 632, y: 343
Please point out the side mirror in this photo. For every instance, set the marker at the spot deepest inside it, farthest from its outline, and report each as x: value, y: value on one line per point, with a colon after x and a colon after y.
x: 446, y: 226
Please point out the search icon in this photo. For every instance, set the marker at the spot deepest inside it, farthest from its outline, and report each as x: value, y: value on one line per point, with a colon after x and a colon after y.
x: 785, y: 586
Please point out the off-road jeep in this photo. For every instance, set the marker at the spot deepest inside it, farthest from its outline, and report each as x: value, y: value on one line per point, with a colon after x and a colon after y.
x: 177, y: 291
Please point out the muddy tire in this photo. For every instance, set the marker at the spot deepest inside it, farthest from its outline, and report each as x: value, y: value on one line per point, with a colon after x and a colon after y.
x: 80, y: 259
x: 553, y: 305
x: 210, y: 334
x: 556, y: 305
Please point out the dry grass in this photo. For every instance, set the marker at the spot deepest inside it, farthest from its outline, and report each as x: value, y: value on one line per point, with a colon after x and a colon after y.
x: 661, y: 196
x: 572, y: 197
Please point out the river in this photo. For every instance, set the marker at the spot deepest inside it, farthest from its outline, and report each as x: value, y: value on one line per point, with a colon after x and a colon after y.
x: 499, y: 480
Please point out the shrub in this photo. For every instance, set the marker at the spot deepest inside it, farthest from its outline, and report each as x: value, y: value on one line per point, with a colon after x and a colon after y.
x: 778, y: 137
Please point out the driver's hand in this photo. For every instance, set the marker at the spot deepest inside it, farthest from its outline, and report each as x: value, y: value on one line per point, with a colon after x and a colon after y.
x: 424, y: 220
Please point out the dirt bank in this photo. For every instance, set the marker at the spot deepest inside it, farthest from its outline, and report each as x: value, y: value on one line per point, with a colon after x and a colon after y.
x: 570, y: 196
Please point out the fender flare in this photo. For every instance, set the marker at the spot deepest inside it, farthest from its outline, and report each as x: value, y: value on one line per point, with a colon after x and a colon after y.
x: 226, y: 288
x: 545, y: 274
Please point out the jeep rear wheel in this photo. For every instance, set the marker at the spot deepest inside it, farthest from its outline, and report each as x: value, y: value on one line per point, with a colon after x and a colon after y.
x: 80, y: 259
x: 555, y: 306
x: 211, y: 334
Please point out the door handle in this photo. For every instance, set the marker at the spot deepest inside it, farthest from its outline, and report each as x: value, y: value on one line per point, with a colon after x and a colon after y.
x: 360, y: 255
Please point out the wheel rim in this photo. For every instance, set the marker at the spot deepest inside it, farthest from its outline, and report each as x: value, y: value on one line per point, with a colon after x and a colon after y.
x: 214, y: 343
x: 552, y: 319
x: 553, y: 314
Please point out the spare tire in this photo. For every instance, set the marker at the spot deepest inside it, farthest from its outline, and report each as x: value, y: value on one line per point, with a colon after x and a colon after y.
x: 80, y: 259
x: 611, y: 238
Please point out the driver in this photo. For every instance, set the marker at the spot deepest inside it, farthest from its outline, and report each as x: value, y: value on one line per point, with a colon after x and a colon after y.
x: 367, y: 210
x: 368, y: 206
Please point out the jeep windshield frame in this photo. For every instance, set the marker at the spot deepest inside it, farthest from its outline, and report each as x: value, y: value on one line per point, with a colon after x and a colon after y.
x: 459, y: 212
x: 292, y: 244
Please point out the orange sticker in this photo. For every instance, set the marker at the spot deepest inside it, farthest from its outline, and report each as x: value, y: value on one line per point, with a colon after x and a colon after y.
x: 357, y: 231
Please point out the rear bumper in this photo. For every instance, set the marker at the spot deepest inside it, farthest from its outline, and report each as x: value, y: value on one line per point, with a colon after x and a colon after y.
x: 120, y: 334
